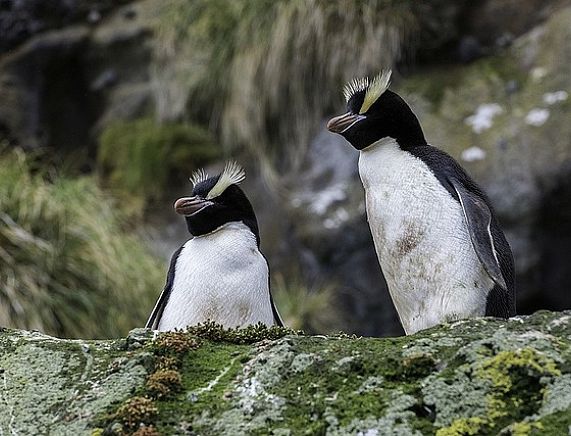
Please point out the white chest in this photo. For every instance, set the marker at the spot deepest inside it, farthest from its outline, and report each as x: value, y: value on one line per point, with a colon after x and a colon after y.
x: 220, y: 277
x: 421, y: 240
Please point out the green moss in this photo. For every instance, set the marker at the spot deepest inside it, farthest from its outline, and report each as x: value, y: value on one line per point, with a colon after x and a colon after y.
x: 463, y: 427
x: 496, y: 389
x: 517, y: 381
x: 525, y: 428
x: 247, y: 335
x: 556, y: 423
x: 486, y: 377
x: 501, y: 368
x: 198, y: 362
x: 137, y: 158
x: 206, y: 374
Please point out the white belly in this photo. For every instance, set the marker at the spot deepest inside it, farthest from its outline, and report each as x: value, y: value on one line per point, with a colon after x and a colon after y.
x: 221, y: 277
x: 421, y: 240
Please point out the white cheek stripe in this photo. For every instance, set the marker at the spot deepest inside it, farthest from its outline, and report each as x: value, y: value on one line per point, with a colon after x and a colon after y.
x: 358, y: 119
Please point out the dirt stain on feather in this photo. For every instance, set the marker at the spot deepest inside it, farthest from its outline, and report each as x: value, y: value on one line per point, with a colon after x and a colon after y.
x: 410, y: 238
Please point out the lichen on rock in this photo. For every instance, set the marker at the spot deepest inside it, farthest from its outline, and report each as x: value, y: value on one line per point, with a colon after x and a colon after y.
x: 482, y: 376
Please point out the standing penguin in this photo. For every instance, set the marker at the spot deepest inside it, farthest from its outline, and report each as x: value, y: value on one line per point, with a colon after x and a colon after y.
x: 219, y: 274
x: 438, y: 242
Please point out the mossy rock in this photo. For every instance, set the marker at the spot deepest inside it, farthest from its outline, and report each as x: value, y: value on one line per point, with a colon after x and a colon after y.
x: 480, y: 376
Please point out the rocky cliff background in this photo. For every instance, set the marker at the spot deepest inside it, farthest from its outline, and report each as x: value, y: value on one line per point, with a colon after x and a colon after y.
x: 106, y: 108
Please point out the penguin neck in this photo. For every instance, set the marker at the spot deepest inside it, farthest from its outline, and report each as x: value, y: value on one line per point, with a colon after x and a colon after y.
x: 199, y: 229
x: 409, y: 133
x: 237, y: 229
x: 387, y: 142
x: 374, y: 159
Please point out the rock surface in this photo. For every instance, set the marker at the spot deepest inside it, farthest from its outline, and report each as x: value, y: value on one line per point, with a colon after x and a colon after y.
x: 482, y: 376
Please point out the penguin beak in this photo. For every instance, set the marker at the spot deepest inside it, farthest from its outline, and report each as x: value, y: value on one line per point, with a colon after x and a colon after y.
x: 188, y: 206
x: 343, y: 122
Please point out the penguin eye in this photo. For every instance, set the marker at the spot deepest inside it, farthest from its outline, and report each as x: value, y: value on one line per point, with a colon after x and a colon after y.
x: 355, y: 103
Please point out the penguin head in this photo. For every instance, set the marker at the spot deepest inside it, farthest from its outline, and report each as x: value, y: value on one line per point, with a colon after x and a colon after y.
x: 217, y: 201
x: 374, y: 112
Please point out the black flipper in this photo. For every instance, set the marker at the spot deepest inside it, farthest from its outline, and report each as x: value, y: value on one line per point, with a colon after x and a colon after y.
x: 156, y: 314
x: 277, y: 318
x: 479, y: 220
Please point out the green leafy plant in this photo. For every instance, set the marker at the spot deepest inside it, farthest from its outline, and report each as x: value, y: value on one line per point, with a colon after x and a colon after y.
x: 67, y: 265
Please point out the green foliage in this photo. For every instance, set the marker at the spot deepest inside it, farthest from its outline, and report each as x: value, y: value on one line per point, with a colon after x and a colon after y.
x: 138, y: 157
x: 313, y: 309
x: 67, y: 267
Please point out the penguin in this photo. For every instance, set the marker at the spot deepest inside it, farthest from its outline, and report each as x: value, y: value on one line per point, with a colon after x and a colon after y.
x: 220, y: 274
x: 436, y: 236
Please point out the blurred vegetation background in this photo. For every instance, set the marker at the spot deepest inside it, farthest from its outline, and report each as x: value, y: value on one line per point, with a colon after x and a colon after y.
x: 106, y: 107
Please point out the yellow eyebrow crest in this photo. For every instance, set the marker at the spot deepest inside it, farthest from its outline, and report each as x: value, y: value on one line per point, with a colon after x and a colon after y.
x: 232, y: 175
x: 375, y: 89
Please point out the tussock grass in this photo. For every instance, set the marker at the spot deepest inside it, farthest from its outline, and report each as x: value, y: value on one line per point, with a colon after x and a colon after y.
x: 137, y: 158
x: 312, y: 308
x: 67, y: 267
x: 265, y: 73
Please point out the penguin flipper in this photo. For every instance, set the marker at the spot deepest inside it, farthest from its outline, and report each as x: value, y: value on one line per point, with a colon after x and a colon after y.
x: 277, y: 318
x: 479, y: 220
x: 156, y: 314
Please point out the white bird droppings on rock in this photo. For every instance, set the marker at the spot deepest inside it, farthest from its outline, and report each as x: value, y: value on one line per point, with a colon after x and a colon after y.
x: 473, y: 154
x: 321, y: 201
x: 483, y: 117
x: 337, y: 219
x: 537, y: 117
x: 555, y: 97
x: 538, y: 73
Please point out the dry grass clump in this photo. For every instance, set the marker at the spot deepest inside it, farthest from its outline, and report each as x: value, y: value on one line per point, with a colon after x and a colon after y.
x: 311, y: 308
x: 265, y: 73
x: 67, y: 266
